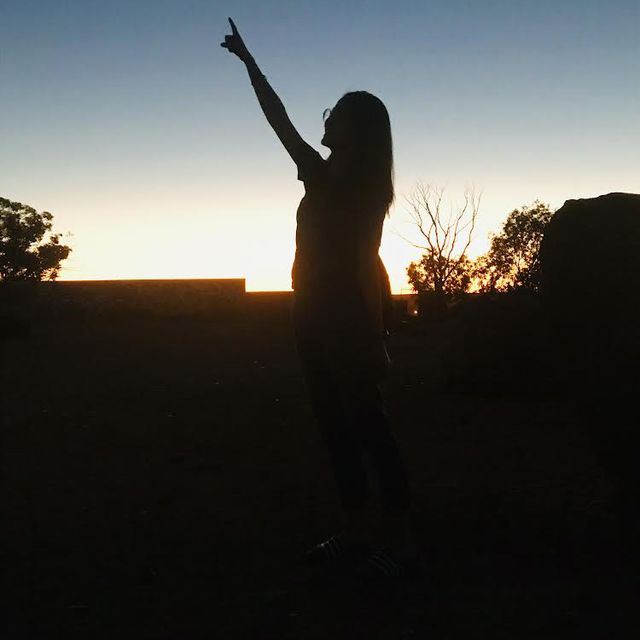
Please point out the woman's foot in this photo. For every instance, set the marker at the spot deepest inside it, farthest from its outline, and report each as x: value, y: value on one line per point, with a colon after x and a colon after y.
x: 338, y: 550
x: 349, y: 547
x: 397, y: 554
x: 384, y: 564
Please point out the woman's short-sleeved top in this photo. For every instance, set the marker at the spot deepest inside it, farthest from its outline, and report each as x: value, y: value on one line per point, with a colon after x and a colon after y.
x: 337, y: 246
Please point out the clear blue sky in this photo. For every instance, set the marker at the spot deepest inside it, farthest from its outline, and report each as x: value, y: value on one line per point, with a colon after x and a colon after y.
x: 130, y: 123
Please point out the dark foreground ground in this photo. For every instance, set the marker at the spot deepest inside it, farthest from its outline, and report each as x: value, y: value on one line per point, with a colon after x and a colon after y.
x: 164, y: 476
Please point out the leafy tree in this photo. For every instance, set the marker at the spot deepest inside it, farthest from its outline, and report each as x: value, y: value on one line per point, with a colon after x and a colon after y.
x: 443, y: 269
x: 423, y: 274
x: 512, y: 262
x: 28, y: 249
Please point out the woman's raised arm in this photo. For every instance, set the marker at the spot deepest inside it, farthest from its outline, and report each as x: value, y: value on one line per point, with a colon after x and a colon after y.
x: 272, y: 107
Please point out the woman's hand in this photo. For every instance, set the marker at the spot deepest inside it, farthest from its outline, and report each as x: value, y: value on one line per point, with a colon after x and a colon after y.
x: 235, y: 44
x: 271, y: 105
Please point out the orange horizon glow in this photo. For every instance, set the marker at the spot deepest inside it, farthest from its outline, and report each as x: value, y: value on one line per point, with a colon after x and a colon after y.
x: 262, y: 258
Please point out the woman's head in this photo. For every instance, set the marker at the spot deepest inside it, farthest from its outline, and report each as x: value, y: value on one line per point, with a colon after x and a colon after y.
x: 359, y: 125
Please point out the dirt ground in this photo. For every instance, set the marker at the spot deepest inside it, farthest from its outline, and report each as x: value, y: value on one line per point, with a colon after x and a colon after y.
x: 163, y: 478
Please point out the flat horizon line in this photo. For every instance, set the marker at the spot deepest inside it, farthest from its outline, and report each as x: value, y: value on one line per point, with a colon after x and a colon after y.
x: 113, y: 280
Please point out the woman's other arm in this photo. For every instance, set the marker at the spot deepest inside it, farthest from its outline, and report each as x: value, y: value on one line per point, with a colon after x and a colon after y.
x: 272, y: 106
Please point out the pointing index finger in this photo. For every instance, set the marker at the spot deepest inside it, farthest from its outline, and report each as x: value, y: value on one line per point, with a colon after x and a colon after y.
x: 233, y: 27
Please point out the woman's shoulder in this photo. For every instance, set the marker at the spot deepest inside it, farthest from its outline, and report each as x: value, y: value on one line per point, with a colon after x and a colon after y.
x: 312, y: 167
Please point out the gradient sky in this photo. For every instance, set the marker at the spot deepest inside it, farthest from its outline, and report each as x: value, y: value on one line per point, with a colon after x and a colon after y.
x: 143, y: 137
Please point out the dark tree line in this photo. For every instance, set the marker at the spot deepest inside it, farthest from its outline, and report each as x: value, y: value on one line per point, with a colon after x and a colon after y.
x: 28, y: 249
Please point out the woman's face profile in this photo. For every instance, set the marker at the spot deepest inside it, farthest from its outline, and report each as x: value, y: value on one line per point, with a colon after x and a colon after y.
x: 337, y: 129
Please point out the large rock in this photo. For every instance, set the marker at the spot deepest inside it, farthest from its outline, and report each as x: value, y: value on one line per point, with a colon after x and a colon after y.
x: 590, y: 292
x: 590, y: 286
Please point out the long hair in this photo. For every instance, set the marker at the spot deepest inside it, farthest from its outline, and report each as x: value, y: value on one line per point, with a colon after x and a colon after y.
x: 371, y: 172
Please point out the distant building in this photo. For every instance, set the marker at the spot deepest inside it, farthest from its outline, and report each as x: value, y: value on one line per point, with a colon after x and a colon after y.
x: 159, y: 297
x: 201, y: 297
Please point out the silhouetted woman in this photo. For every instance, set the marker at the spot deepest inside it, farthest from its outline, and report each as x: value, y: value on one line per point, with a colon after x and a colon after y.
x: 339, y: 287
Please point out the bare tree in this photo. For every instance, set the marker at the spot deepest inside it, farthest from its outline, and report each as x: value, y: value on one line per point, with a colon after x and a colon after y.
x: 444, y: 239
